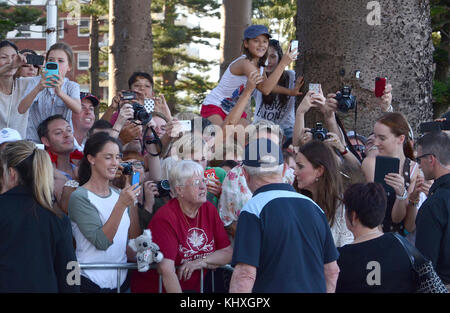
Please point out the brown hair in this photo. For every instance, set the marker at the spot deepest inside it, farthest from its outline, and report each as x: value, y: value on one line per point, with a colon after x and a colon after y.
x: 64, y: 47
x: 398, y: 125
x: 262, y: 60
x: 330, y: 184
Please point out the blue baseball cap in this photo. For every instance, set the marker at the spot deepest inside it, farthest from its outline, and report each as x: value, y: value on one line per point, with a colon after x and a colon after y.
x: 254, y: 31
x: 263, y: 152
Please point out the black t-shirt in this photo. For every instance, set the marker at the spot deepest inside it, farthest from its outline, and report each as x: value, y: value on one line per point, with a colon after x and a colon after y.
x: 380, y: 265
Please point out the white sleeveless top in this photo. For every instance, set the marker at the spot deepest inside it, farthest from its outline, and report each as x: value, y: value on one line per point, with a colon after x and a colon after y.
x: 227, y: 92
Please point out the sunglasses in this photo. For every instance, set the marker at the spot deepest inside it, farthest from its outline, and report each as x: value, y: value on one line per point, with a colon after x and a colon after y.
x: 359, y: 148
x: 418, y: 159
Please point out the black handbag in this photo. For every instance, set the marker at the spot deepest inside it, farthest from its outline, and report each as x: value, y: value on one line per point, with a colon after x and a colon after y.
x: 427, y: 279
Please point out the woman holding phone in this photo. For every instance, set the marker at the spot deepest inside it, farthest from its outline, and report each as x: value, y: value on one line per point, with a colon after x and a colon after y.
x: 103, y: 217
x: 393, y: 138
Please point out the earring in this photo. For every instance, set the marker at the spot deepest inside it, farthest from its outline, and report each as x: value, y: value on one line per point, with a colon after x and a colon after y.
x: 317, y: 179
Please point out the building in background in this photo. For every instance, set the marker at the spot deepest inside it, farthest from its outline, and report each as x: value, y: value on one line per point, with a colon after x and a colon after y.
x: 76, y: 35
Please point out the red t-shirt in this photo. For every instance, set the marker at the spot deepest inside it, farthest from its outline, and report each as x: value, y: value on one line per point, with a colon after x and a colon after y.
x: 182, y: 239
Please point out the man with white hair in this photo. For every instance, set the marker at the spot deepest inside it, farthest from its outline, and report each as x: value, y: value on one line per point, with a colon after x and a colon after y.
x: 283, y: 242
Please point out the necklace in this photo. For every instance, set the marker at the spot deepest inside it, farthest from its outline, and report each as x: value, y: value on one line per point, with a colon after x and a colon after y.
x: 367, y: 235
x: 185, y: 219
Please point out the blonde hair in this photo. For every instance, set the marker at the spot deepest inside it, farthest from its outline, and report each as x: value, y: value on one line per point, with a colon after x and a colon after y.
x: 34, y: 168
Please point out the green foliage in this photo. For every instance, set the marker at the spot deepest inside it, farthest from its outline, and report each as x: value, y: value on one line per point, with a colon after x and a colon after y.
x: 12, y: 18
x: 278, y: 16
x: 172, y: 64
x: 440, y: 22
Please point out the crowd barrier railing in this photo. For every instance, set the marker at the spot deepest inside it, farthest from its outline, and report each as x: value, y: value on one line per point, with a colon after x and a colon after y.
x: 133, y: 266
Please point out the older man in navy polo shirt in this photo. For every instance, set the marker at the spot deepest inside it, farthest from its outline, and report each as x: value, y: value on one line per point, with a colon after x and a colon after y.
x: 283, y: 242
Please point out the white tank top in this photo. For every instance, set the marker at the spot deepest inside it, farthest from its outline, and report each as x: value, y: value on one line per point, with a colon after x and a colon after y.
x: 227, y: 92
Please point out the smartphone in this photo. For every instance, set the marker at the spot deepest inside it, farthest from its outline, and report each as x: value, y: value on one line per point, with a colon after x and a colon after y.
x: 135, y: 178
x: 380, y: 85
x: 185, y: 125
x: 294, y: 45
x: 383, y: 166
x: 35, y: 59
x: 52, y: 69
x: 315, y: 88
x: 149, y: 105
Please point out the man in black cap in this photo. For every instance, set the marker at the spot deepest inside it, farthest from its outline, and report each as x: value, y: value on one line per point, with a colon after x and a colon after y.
x: 84, y: 120
x: 283, y: 242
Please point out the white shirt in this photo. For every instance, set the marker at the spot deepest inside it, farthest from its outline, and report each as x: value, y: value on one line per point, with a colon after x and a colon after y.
x: 9, y: 106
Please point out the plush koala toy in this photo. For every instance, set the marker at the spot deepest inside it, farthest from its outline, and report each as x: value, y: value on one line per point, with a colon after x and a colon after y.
x: 147, y: 251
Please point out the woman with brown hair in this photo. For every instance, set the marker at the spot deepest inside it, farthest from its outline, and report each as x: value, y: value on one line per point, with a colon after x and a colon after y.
x: 317, y: 176
x: 36, y: 251
x: 393, y: 138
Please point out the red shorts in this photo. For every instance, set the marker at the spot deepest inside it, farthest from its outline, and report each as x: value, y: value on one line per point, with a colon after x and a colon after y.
x: 211, y: 109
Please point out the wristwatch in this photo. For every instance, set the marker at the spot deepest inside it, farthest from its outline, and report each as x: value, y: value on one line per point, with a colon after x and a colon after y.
x: 404, y: 196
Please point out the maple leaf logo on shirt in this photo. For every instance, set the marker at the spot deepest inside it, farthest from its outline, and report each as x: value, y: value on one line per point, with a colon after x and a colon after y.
x: 196, y: 239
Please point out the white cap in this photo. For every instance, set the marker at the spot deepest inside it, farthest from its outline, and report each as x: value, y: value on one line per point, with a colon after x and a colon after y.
x: 9, y: 135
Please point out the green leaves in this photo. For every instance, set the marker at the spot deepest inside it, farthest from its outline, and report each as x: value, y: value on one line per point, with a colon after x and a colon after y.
x: 12, y: 18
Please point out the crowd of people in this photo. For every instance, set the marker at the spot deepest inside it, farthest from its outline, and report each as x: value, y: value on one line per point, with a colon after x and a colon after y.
x: 290, y: 208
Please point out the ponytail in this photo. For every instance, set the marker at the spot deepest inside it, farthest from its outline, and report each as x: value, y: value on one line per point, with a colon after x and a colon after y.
x: 84, y: 171
x: 43, y: 182
x: 34, y: 169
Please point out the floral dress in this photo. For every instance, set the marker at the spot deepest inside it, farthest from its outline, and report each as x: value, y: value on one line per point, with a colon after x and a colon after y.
x: 235, y: 193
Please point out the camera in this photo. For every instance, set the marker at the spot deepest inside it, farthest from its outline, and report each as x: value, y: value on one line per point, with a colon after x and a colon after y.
x: 163, y: 188
x: 319, y: 133
x: 128, y: 95
x: 140, y: 114
x: 345, y: 99
x: 127, y: 168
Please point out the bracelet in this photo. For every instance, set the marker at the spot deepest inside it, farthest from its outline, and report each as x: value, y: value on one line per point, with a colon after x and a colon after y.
x: 345, y: 151
x: 116, y: 130
x: 414, y: 203
x: 404, y: 196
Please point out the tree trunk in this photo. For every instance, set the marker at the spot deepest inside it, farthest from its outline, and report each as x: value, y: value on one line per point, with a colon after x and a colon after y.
x: 130, y: 39
x: 94, y: 67
x: 345, y: 36
x: 236, y: 16
x: 168, y: 61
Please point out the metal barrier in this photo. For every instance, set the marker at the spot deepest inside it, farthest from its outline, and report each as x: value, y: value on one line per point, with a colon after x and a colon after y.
x: 133, y: 266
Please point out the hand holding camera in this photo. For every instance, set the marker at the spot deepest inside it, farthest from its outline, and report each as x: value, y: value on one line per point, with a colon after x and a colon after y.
x: 150, y: 192
x: 126, y: 113
x: 17, y: 61
x: 333, y: 141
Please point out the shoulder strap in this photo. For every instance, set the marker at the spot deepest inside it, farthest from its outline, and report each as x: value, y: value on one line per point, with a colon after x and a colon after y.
x: 414, y: 255
x: 407, y: 172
